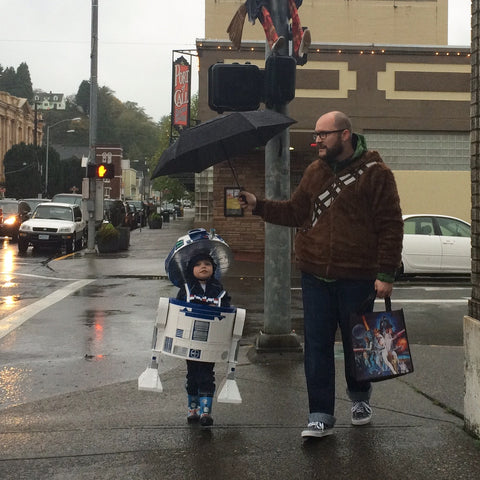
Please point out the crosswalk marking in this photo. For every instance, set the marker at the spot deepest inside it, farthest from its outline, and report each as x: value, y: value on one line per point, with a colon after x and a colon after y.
x: 10, y: 323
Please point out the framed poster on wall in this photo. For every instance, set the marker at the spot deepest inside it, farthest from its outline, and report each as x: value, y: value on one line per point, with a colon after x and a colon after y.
x: 232, y: 206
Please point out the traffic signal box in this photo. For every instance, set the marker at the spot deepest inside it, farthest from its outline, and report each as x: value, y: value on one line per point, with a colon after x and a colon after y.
x: 279, y: 82
x: 234, y: 87
x: 240, y: 87
x: 102, y: 170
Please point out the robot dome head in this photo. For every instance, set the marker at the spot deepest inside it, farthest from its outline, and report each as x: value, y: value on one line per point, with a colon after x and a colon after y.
x: 197, y: 242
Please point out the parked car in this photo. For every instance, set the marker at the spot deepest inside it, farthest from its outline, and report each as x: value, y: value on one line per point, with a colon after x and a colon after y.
x: 53, y: 225
x: 33, y: 202
x: 435, y: 244
x: 74, y: 198
x: 118, y: 213
x: 12, y: 214
x: 142, y: 209
x: 179, y: 210
x: 168, y: 207
x: 132, y: 216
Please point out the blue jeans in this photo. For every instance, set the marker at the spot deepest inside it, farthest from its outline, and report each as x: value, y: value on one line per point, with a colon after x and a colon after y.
x: 327, y: 305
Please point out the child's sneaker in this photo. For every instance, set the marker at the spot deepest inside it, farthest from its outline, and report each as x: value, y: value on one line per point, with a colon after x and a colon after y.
x: 317, y: 429
x: 206, y: 419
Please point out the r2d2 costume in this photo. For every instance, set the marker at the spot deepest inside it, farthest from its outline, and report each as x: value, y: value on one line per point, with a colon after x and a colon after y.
x: 194, y: 331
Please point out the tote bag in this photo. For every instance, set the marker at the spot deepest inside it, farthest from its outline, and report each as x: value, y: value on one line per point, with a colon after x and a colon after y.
x: 379, y: 343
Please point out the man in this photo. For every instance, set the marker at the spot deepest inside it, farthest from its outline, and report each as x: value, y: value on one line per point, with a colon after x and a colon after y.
x: 348, y: 246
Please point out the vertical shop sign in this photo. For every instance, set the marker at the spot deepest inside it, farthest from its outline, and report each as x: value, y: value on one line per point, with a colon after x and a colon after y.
x: 181, y: 94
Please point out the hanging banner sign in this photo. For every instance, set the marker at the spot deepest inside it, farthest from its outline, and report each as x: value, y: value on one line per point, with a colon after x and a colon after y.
x: 181, y: 94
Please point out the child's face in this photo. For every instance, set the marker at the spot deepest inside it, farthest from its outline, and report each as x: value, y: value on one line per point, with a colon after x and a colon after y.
x: 203, y: 270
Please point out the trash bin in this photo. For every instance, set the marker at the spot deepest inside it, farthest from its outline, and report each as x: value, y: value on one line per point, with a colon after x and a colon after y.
x: 166, y: 216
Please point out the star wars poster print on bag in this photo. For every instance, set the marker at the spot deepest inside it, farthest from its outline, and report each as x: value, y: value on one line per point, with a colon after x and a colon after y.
x: 380, y: 345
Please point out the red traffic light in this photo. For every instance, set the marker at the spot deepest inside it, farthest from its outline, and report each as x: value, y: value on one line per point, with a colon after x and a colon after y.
x: 103, y: 170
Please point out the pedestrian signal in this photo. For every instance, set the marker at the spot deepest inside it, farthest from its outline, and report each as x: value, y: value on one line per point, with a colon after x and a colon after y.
x: 280, y: 73
x: 234, y: 87
x: 103, y: 170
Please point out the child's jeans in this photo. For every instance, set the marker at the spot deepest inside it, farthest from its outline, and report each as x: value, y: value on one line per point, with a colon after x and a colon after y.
x: 200, y: 378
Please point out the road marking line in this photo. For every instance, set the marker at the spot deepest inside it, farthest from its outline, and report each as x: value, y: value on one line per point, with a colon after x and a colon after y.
x: 38, y: 276
x: 17, y: 318
x: 426, y: 300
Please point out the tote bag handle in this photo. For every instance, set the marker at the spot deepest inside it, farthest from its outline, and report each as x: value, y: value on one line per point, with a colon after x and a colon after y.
x: 363, y: 306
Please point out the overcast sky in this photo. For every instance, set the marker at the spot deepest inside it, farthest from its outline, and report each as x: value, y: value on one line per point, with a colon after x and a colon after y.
x: 136, y: 39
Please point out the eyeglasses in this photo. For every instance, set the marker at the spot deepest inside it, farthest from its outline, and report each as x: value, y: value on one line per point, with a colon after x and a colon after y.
x: 323, y: 135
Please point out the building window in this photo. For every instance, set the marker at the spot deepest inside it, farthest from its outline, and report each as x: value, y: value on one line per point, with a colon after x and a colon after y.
x: 422, y: 150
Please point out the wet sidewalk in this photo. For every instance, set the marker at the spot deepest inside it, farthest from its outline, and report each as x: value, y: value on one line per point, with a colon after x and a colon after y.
x: 118, y: 432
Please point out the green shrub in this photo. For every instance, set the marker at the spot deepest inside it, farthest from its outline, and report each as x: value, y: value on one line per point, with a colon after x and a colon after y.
x: 155, y: 216
x: 107, y: 232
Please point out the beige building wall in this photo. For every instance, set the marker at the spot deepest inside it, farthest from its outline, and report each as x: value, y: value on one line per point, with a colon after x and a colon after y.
x: 400, y: 22
x: 436, y: 192
x: 17, y: 125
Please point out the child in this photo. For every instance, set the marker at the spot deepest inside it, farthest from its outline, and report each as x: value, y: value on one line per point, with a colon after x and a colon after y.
x: 201, y: 287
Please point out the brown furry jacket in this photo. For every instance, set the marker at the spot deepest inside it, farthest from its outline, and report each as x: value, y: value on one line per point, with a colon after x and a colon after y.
x: 352, y: 233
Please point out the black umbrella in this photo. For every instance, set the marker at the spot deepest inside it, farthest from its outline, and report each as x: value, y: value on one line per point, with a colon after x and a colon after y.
x: 220, y: 139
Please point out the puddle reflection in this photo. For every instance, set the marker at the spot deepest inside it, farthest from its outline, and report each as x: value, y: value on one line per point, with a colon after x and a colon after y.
x: 7, y: 266
x: 95, y: 340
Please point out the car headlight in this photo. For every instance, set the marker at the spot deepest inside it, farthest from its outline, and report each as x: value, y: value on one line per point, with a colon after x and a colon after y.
x: 10, y: 220
x: 65, y: 230
x: 25, y: 228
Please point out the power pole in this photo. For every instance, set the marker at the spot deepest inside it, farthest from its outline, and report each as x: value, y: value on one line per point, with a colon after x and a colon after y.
x: 277, y: 335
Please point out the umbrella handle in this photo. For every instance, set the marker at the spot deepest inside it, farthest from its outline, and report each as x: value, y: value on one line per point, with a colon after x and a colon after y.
x: 234, y: 174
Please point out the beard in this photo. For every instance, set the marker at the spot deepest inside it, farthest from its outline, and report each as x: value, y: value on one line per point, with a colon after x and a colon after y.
x: 332, y: 153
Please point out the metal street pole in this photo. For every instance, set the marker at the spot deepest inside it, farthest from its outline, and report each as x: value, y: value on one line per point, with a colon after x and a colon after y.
x: 46, y: 162
x: 277, y: 335
x: 92, y: 182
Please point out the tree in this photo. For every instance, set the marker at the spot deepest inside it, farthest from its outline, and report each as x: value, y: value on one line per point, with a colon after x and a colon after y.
x: 23, y: 82
x: 82, y: 98
x: 22, y: 170
x: 171, y: 189
x: 17, y: 83
x: 8, y: 80
x: 165, y: 141
x: 71, y: 174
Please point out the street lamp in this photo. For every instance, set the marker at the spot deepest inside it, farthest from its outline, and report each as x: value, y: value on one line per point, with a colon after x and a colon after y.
x: 76, y: 119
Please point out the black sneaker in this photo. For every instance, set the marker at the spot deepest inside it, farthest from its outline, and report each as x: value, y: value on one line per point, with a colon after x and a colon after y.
x: 361, y: 413
x: 317, y: 429
x: 206, y: 420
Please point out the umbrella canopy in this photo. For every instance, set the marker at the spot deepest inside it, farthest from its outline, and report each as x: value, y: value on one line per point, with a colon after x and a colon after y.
x: 219, y: 139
